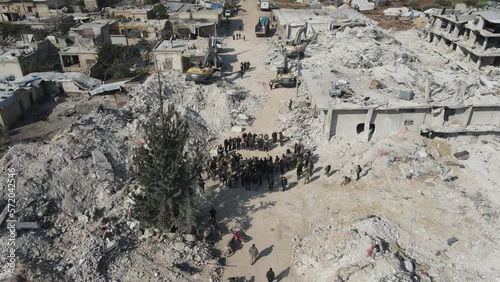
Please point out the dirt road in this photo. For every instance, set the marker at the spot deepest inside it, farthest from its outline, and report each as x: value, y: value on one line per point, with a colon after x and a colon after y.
x: 270, y: 219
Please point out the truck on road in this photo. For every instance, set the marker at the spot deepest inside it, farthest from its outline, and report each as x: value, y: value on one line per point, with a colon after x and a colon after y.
x: 262, y: 27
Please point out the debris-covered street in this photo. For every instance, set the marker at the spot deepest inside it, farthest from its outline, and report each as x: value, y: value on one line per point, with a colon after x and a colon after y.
x: 418, y: 208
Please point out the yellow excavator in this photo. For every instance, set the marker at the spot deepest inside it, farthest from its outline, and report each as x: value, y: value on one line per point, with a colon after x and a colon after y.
x: 204, y: 71
x: 284, y: 78
x: 297, y: 47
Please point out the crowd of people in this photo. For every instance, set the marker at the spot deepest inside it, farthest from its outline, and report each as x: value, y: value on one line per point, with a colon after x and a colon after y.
x: 230, y: 168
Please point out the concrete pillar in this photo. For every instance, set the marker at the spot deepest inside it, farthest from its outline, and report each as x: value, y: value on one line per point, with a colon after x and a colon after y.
x: 368, y: 120
x: 448, y: 27
x: 479, y: 62
x: 456, y: 30
x: 472, y: 38
x: 468, y: 117
x: 328, y: 124
x: 427, y: 90
x: 485, y: 43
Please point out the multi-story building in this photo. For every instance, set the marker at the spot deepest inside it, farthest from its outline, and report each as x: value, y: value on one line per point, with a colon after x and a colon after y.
x: 14, y: 10
x: 476, y: 36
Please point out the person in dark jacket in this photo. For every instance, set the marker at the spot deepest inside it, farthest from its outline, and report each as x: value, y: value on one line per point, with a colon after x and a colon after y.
x: 284, y: 183
x: 270, y: 275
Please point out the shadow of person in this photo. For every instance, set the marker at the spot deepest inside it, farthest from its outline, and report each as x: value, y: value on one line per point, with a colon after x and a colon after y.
x: 292, y: 185
x: 283, y: 274
x: 318, y: 169
x: 314, y: 178
x: 267, y: 251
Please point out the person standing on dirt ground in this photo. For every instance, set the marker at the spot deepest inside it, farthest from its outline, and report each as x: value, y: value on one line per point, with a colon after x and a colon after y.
x: 358, y: 172
x: 307, y: 175
x: 290, y: 104
x: 244, y: 38
x: 270, y: 85
x: 270, y: 180
x: 284, y: 183
x: 212, y: 214
x: 299, y: 170
x: 327, y: 170
x: 270, y: 275
x: 233, y: 37
x: 280, y: 134
x: 346, y: 181
x: 254, y: 254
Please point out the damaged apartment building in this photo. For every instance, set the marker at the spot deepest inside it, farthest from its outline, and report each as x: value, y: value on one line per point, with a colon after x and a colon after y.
x: 364, y: 115
x: 476, y: 36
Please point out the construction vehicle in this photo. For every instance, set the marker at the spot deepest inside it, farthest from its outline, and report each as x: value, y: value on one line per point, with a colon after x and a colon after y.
x: 203, y: 72
x: 262, y: 27
x: 297, y: 46
x: 230, y: 8
x: 284, y: 77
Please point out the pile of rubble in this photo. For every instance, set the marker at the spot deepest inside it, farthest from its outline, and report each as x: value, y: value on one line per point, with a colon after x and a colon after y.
x: 79, y: 188
x: 397, y: 61
x: 368, y: 249
x: 404, y: 220
x: 211, y: 109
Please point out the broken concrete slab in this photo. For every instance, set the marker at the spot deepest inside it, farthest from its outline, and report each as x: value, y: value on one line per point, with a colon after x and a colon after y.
x: 406, y: 95
x: 110, y: 245
x: 243, y: 117
x: 83, y: 219
x: 463, y: 156
x: 452, y: 240
x: 455, y: 164
x: 4, y: 213
x: 104, y: 168
x: 100, y: 160
x: 27, y: 225
x: 237, y: 129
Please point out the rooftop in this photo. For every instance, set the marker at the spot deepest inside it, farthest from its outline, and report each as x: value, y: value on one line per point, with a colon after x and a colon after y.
x: 93, y: 24
x: 300, y: 16
x: 175, y: 44
x: 177, y: 7
x: 78, y: 50
x: 490, y: 15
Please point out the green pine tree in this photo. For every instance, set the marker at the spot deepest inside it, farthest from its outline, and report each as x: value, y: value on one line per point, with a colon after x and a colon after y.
x: 166, y: 174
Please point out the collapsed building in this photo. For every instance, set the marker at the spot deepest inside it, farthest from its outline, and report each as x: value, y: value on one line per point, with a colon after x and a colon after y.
x: 475, y: 36
x: 365, y: 82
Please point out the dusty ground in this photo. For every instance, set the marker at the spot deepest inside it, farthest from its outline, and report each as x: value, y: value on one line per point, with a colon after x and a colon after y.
x: 420, y: 210
x: 395, y: 24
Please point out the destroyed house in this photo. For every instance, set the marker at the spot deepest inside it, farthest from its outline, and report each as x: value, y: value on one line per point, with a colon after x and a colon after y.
x: 475, y: 36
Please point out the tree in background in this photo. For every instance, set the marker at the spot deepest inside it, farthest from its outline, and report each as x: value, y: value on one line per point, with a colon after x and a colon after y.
x: 160, y: 11
x: 120, y: 61
x: 166, y: 172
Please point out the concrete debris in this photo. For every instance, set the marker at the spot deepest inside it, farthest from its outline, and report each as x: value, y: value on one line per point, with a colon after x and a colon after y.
x: 451, y: 241
x: 210, y: 109
x: 400, y: 61
x: 463, y: 156
x: 27, y: 225
x: 80, y: 176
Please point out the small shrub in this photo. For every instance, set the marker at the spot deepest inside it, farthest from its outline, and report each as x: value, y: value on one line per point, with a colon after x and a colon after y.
x: 430, y: 6
x: 443, y: 3
x: 470, y: 3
